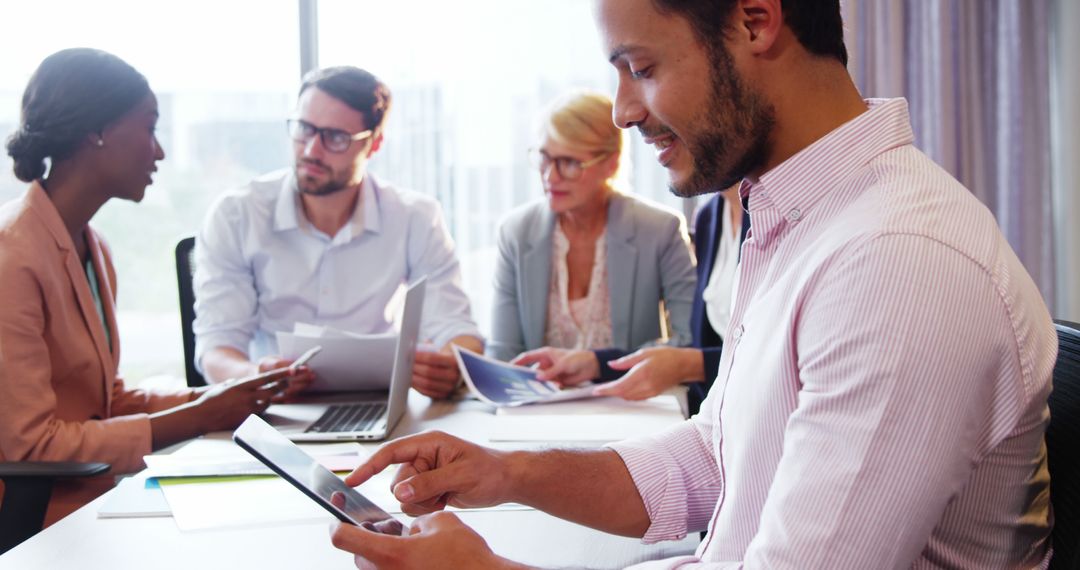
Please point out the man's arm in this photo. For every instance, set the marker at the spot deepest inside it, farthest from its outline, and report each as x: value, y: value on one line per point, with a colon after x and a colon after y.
x: 901, y: 353
x: 223, y: 362
x: 430, y: 253
x: 439, y: 470
x: 226, y: 300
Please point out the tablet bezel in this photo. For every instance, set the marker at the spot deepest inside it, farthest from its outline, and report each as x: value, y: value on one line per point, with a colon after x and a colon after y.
x: 261, y: 429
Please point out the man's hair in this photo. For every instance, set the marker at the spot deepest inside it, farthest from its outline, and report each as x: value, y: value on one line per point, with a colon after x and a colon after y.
x: 74, y: 92
x: 358, y: 89
x: 816, y: 23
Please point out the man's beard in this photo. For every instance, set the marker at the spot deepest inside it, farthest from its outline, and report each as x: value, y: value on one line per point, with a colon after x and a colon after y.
x: 734, y: 138
x: 333, y: 185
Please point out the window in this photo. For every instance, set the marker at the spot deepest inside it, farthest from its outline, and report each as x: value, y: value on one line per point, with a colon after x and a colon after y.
x: 470, y: 79
x: 225, y: 81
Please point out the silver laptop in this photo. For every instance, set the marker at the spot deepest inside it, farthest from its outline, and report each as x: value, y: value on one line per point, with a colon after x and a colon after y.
x: 353, y: 416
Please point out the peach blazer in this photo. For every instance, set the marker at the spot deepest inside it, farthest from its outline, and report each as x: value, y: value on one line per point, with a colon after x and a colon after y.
x: 60, y: 396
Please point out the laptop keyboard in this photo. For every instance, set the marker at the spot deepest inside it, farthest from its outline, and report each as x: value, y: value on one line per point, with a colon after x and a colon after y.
x: 349, y: 418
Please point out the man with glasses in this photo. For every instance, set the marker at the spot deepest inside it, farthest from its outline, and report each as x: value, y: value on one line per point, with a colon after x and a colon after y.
x: 328, y: 244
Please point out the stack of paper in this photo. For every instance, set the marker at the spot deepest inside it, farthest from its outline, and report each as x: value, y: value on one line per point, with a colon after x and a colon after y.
x: 347, y: 362
x: 212, y: 483
x: 135, y: 497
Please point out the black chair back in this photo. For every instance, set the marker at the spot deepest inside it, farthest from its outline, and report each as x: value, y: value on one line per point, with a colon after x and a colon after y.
x: 185, y: 268
x: 1063, y: 448
x: 27, y: 489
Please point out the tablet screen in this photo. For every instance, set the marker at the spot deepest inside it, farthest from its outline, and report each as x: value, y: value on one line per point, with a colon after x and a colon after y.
x: 286, y: 459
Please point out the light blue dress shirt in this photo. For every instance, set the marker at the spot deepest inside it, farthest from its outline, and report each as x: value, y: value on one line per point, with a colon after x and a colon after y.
x: 260, y: 267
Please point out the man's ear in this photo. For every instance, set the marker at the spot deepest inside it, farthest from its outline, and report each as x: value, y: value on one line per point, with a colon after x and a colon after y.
x: 760, y: 23
x: 376, y: 143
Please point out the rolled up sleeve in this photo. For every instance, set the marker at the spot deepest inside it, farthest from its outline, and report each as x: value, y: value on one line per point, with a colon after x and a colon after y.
x: 676, y: 475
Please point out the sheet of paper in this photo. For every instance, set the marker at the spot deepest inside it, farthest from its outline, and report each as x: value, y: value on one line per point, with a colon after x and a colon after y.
x: 248, y: 503
x: 243, y: 500
x: 347, y: 362
x: 135, y: 497
x: 502, y: 384
x: 596, y: 421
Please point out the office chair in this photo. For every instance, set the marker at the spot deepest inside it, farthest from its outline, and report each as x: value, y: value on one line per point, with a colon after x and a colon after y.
x: 185, y: 268
x: 1063, y: 448
x: 27, y: 488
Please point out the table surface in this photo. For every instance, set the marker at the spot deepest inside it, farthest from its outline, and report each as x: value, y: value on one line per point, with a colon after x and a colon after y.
x: 84, y: 541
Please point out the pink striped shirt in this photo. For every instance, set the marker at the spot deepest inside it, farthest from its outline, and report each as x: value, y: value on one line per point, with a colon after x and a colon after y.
x: 881, y: 400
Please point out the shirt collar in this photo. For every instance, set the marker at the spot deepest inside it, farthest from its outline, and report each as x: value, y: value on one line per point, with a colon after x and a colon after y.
x: 792, y: 188
x: 288, y: 215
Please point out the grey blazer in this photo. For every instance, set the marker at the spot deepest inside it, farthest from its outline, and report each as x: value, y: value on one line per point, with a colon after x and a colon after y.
x: 648, y: 259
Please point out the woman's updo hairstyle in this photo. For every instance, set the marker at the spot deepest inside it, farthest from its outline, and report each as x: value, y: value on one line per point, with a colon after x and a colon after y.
x: 73, y: 93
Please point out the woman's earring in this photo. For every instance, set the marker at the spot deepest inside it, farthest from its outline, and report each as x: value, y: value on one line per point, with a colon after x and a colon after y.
x: 100, y: 142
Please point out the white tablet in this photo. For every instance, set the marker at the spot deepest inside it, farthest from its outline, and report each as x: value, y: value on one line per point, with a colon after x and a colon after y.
x: 272, y: 448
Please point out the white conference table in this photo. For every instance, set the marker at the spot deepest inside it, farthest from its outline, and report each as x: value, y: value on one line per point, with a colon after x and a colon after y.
x: 84, y: 541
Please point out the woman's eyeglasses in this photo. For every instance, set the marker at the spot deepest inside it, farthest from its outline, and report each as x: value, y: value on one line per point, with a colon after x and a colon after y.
x: 333, y: 140
x: 569, y: 168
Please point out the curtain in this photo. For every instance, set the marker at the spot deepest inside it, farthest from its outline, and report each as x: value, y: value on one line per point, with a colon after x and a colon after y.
x: 976, y: 74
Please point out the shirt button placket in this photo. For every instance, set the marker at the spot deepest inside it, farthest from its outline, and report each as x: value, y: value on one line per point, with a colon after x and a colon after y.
x: 324, y: 280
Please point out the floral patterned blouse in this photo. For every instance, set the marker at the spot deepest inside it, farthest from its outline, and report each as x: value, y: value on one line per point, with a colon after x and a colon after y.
x: 582, y: 323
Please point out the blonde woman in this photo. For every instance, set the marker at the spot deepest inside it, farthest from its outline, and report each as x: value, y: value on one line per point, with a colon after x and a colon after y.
x: 588, y: 267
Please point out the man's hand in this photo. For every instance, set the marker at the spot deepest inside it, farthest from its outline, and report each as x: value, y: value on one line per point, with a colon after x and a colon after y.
x: 653, y: 370
x: 438, y: 540
x: 560, y: 365
x: 435, y: 374
x: 438, y: 470
x: 294, y: 383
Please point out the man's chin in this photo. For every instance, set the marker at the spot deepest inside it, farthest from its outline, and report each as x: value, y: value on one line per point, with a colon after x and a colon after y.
x: 688, y: 186
x: 319, y: 189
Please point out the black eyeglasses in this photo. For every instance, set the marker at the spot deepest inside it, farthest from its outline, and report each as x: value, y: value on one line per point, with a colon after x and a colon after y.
x: 333, y: 140
x: 569, y: 168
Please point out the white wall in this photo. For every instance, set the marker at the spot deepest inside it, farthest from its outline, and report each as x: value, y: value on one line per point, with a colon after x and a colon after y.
x: 1065, y: 119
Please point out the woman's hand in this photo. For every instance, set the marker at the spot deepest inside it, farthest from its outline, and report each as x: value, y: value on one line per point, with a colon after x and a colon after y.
x: 653, y: 370
x: 560, y: 365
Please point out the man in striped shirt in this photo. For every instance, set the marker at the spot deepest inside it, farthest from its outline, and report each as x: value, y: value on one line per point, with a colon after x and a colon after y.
x: 881, y: 400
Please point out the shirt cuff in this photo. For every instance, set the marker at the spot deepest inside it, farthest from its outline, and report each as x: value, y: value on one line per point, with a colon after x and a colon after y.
x: 676, y: 478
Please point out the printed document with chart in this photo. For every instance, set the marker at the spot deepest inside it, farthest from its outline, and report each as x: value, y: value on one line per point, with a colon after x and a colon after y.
x: 502, y: 384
